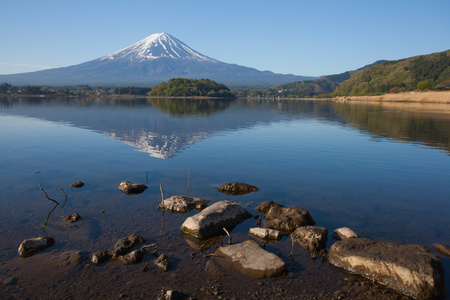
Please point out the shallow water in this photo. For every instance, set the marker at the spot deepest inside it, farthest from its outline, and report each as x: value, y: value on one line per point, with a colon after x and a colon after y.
x: 381, y: 169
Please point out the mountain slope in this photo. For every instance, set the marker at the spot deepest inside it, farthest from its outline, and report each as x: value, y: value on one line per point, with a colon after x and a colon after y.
x: 400, y: 75
x: 322, y: 85
x: 148, y: 62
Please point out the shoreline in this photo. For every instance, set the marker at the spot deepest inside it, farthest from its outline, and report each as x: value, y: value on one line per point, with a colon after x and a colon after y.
x: 421, y: 97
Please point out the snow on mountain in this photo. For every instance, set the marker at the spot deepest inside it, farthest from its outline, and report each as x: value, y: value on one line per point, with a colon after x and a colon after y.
x: 156, y: 46
x: 157, y: 58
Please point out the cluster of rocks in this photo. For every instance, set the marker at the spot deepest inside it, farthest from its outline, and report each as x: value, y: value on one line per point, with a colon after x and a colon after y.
x: 123, y: 251
x: 410, y: 269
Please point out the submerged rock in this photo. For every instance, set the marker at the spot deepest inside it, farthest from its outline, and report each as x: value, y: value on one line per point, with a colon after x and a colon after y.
x: 133, y: 257
x: 162, y: 262
x: 211, y: 221
x: 237, y: 188
x: 126, y: 244
x: 67, y: 258
x: 99, y: 257
x: 31, y: 246
x: 183, y: 204
x: 311, y: 238
x: 265, y: 233
x: 266, y: 205
x: 250, y: 259
x: 344, y: 233
x: 71, y: 218
x: 442, y: 249
x: 411, y: 269
x: 131, y: 188
x: 77, y: 184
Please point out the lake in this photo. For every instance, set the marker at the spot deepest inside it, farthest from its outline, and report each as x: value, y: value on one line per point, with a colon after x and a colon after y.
x: 381, y: 169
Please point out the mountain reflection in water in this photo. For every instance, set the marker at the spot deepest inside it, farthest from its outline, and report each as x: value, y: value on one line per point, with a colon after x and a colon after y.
x: 183, y: 122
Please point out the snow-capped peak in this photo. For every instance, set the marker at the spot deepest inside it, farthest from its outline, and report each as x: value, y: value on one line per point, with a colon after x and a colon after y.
x: 157, y: 45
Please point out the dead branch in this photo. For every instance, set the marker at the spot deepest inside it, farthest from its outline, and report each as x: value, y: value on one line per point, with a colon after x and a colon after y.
x: 40, y: 186
x: 48, y: 216
x: 188, y: 183
x: 292, y: 249
x: 162, y: 205
x: 65, y: 196
x: 226, y: 231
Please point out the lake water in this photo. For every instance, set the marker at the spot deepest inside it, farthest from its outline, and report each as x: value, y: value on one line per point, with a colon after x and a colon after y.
x: 380, y: 169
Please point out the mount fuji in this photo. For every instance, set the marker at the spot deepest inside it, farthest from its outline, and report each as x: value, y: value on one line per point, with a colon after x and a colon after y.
x: 157, y: 58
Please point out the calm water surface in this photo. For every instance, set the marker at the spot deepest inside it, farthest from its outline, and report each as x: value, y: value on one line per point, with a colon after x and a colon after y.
x: 381, y: 169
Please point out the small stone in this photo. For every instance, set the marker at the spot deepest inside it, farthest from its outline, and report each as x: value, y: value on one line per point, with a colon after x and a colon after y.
x: 77, y: 184
x: 31, y: 246
x: 182, y: 204
x: 99, y: 257
x: 344, y: 233
x: 236, y: 188
x: 133, y: 257
x: 287, y: 219
x: 129, y: 188
x: 71, y: 218
x: 172, y: 295
x: 265, y: 233
x: 126, y: 244
x: 162, y: 262
x: 442, y: 249
x: 311, y: 238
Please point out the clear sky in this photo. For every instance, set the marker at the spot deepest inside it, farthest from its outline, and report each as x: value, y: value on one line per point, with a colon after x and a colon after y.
x: 291, y: 37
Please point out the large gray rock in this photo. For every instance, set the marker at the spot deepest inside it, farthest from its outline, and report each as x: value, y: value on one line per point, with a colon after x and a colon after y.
x: 312, y: 238
x: 129, y: 188
x: 31, y: 246
x: 411, y: 269
x: 237, y: 188
x: 250, y: 259
x: 182, y: 204
x: 211, y: 221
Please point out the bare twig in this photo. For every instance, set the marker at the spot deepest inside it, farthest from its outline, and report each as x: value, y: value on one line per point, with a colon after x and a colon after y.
x: 40, y: 186
x: 65, y: 196
x: 188, y: 183
x: 48, y: 216
x: 149, y: 246
x: 162, y: 205
x: 226, y: 231
x: 146, y: 176
x: 291, y: 255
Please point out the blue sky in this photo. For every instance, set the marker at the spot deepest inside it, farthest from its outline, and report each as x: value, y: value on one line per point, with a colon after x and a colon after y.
x: 291, y: 37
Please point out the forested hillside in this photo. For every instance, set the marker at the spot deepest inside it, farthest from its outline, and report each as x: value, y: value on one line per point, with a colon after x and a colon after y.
x: 425, y: 72
x: 183, y: 87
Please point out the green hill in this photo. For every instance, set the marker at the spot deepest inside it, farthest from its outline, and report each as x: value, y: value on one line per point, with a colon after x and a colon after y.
x: 184, y: 87
x: 311, y: 88
x: 425, y: 72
